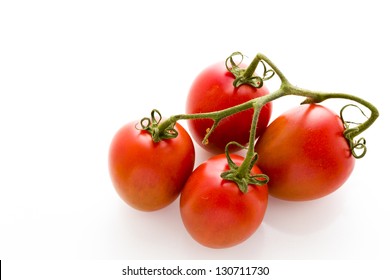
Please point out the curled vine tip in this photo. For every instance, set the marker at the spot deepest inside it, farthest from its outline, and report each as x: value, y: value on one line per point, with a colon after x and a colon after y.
x: 242, y: 181
x: 352, y: 129
x: 151, y: 125
x: 246, y: 76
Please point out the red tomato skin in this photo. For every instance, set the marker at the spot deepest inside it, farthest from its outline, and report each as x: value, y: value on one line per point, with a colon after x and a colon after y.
x: 213, y: 90
x: 305, y: 154
x: 149, y: 176
x: 214, y: 211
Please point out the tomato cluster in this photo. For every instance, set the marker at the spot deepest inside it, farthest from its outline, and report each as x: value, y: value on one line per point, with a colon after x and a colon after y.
x: 303, y: 152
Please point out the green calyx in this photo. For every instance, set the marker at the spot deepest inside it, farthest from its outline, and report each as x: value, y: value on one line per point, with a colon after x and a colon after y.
x: 246, y: 76
x: 242, y: 177
x: 151, y: 125
x: 352, y: 129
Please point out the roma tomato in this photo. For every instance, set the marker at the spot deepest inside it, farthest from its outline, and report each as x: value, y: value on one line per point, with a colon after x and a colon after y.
x: 305, y: 154
x: 214, y: 211
x: 213, y: 90
x: 147, y: 175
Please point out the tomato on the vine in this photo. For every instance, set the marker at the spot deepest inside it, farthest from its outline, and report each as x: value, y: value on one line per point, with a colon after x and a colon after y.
x: 214, y: 210
x: 305, y: 153
x: 147, y: 175
x: 213, y: 90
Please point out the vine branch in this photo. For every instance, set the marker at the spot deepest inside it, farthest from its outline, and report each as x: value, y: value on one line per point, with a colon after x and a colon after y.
x: 165, y: 128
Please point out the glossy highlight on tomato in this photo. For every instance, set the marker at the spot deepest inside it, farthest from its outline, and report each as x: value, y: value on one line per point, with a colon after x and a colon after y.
x: 305, y: 153
x: 214, y: 211
x: 147, y: 175
x: 213, y: 90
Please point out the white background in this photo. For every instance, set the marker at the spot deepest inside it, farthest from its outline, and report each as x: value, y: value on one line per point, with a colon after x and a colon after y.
x: 72, y: 72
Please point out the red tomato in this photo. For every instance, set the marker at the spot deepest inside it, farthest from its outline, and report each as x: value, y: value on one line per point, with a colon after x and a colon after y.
x: 214, y: 211
x: 305, y: 154
x: 147, y: 175
x: 213, y: 90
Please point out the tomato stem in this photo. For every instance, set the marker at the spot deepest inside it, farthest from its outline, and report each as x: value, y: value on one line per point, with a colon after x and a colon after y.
x: 216, y: 116
x: 279, y: 73
x: 242, y: 174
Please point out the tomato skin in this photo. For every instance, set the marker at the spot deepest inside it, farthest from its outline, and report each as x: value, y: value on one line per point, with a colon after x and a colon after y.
x: 305, y: 154
x: 148, y: 176
x: 214, y: 211
x: 213, y: 90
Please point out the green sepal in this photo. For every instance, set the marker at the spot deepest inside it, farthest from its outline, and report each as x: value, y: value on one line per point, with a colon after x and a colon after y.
x: 243, y: 77
x: 350, y: 132
x: 242, y: 181
x: 151, y: 125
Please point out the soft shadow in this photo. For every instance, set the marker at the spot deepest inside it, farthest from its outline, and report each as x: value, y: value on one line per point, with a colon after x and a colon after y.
x: 304, y: 217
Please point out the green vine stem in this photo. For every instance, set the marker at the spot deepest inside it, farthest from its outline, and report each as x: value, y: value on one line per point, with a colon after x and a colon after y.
x: 242, y: 174
x: 285, y: 89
